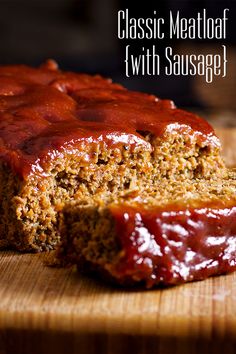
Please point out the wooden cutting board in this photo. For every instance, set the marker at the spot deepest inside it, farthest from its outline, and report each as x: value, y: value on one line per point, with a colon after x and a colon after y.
x: 53, y: 310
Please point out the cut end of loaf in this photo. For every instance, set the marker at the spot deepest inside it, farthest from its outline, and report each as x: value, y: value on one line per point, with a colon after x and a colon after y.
x: 99, y: 172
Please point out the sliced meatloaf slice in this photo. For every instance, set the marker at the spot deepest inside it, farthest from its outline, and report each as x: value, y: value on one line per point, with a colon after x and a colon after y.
x: 182, y: 231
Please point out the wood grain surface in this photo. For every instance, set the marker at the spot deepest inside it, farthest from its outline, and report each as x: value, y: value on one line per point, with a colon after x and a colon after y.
x: 54, y: 310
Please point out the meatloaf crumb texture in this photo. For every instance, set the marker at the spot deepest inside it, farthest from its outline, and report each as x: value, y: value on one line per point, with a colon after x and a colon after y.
x: 68, y: 137
x: 30, y: 207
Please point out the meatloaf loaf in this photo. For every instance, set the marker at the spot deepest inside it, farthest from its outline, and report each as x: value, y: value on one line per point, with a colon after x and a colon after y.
x: 67, y: 136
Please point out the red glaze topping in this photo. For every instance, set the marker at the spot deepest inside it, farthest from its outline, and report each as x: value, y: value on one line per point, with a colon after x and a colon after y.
x: 175, y: 245
x: 45, y: 111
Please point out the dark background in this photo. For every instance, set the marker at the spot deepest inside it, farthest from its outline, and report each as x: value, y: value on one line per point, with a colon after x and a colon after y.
x: 82, y: 36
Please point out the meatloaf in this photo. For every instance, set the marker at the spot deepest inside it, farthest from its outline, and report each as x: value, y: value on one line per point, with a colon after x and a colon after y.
x: 175, y: 234
x: 68, y: 137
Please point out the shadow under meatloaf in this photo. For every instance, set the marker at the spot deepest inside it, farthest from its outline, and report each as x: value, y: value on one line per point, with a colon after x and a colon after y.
x: 178, y: 233
x: 66, y: 137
